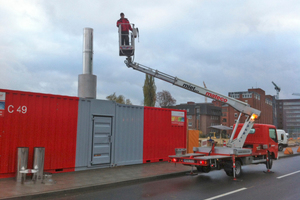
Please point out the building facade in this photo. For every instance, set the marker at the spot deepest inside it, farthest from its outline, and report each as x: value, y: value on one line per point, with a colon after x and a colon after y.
x: 288, y: 116
x: 200, y: 116
x: 256, y: 98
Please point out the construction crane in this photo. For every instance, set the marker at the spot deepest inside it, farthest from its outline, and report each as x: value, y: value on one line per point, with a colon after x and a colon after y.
x: 205, y: 87
x: 277, y: 90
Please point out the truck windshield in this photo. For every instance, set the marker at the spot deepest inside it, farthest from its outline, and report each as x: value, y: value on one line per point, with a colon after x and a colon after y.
x: 252, y: 131
x: 272, y: 133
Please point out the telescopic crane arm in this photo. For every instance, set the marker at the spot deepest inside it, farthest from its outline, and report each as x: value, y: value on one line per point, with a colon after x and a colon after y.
x: 240, y: 106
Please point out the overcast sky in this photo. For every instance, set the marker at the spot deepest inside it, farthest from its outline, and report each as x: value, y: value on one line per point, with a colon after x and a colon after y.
x: 232, y: 45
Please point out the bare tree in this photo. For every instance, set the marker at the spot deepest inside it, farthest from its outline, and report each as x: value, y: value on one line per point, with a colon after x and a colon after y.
x: 119, y: 99
x: 128, y: 102
x: 164, y: 98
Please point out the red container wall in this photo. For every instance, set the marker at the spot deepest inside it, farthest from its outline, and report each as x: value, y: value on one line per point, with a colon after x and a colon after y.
x: 161, y: 137
x: 38, y: 120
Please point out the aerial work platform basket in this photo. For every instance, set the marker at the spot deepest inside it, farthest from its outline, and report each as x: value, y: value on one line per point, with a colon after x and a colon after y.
x: 127, y: 40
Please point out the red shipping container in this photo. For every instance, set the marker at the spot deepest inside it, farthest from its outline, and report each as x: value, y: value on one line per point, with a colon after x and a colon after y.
x: 164, y: 130
x: 37, y: 120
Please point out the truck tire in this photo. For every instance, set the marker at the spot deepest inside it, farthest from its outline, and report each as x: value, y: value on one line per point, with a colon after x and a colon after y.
x: 204, y: 169
x: 199, y: 168
x: 269, y: 163
x: 238, y: 169
x: 280, y: 147
x: 229, y: 173
x: 228, y: 168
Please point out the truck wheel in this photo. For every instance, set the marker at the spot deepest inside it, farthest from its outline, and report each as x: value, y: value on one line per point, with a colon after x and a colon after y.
x: 228, y: 168
x: 229, y: 173
x: 238, y: 168
x: 269, y: 163
x: 204, y: 169
x: 280, y: 147
x: 199, y: 168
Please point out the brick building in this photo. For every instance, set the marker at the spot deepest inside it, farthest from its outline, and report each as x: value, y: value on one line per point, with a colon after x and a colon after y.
x: 200, y: 116
x: 256, y: 98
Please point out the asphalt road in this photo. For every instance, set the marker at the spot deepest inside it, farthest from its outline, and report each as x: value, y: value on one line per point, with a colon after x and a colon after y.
x: 284, y: 183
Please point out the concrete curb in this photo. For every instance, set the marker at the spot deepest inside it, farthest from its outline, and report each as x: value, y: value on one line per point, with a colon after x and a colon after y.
x: 78, y: 190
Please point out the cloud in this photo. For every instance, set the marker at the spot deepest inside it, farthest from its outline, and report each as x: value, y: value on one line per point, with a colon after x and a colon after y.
x: 232, y: 46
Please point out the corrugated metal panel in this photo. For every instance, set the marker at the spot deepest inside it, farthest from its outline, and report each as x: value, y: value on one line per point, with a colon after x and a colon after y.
x: 89, y: 108
x: 192, y: 140
x: 38, y: 120
x: 83, y: 133
x: 161, y: 136
x: 129, y: 135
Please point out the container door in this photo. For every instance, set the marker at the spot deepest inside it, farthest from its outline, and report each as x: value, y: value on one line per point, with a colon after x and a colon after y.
x: 101, y: 140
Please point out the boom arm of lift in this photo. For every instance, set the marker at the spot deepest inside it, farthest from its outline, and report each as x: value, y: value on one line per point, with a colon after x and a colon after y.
x: 240, y: 106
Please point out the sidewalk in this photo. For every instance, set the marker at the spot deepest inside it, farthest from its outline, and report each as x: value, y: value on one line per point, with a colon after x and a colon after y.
x: 9, y: 188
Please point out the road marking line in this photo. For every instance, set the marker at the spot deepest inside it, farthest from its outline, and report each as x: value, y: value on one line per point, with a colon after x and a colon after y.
x: 225, y: 194
x: 289, y: 174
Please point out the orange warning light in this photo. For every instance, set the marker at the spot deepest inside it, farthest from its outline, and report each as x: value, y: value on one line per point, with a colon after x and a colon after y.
x: 254, y: 117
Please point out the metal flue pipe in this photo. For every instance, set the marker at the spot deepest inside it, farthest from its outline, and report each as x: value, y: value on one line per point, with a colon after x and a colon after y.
x: 88, y: 51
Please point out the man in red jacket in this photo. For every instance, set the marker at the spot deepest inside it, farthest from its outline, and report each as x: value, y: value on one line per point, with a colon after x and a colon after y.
x: 125, y: 27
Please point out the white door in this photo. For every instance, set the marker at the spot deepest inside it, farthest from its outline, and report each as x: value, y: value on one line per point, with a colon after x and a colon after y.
x: 102, y: 131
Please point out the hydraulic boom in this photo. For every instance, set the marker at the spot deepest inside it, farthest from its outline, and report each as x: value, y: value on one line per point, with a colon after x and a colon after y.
x: 240, y: 106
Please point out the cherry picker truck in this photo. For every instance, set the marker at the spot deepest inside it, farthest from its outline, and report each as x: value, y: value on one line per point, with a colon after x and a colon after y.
x: 249, y: 143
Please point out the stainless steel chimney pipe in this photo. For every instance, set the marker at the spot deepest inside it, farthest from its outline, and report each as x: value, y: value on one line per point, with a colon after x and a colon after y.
x: 88, y: 51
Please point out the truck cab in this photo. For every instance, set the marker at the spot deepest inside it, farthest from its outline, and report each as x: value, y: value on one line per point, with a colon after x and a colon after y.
x: 262, y: 138
x: 282, y: 139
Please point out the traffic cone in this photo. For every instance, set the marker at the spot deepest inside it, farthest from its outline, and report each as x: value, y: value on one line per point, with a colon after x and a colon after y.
x: 289, y: 151
x: 224, y: 143
x: 298, y: 150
